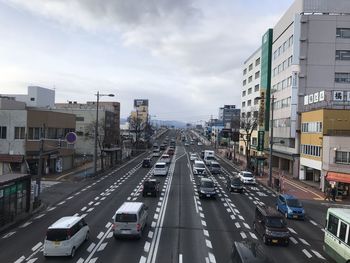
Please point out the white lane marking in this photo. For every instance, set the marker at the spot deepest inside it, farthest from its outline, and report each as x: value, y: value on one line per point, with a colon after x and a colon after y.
x: 81, y: 260
x: 32, y: 260
x: 317, y: 254
x: 68, y: 198
x: 292, y: 230
x: 51, y: 208
x: 108, y: 224
x: 9, y: 234
x: 61, y: 203
x: 83, y: 215
x: 25, y: 224
x: 20, y: 259
x: 100, y: 235
x: 157, y: 209
x: 90, y: 209
x: 147, y: 246
x: 91, y: 247
x: 304, y: 241
x: 110, y: 234
x: 153, y: 224
x: 143, y: 259
x: 93, y: 260
x: 206, y: 233
x: 90, y: 203
x: 76, y: 214
x: 313, y: 222
x: 241, y: 217
x: 39, y: 216
x: 96, y: 198
x: 307, y: 253
x: 37, y: 246
x: 237, y: 225
x: 208, y: 243
x: 206, y: 260
x: 96, y: 204
x: 246, y: 225
x: 201, y: 215
x: 150, y: 234
x: 102, y: 246
x: 243, y: 235
x: 97, y: 246
x: 195, y: 204
x: 180, y: 258
x: 233, y: 217
x: 156, y: 216
x: 204, y: 223
x: 253, y: 235
x: 212, y: 258
x: 293, y: 240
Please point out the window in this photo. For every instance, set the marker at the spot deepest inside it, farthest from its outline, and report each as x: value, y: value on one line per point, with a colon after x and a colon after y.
x: 342, y: 55
x: 257, y: 62
x: 244, y: 82
x: 250, y: 67
x: 256, y: 101
x: 256, y: 88
x: 3, y: 132
x: 19, y: 133
x: 243, y: 104
x: 250, y: 91
x: 79, y: 118
x: 249, y: 114
x: 250, y: 79
x: 342, y: 157
x: 342, y: 231
x: 243, y: 93
x: 244, y: 71
x: 343, y: 32
x: 249, y: 102
x: 257, y: 74
x: 254, y: 141
x: 34, y: 133
x: 332, y: 226
x: 290, y: 41
x: 342, y: 77
x: 255, y: 114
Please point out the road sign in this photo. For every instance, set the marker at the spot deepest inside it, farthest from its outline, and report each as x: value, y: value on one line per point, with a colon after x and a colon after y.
x: 71, y: 137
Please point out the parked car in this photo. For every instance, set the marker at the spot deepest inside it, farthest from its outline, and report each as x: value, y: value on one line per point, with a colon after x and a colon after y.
x: 150, y: 188
x: 206, y: 188
x: 290, y: 206
x: 199, y: 168
x: 146, y: 163
x: 234, y: 184
x: 193, y: 156
x: 247, y: 177
x: 271, y: 226
x: 65, y: 236
x: 160, y: 168
x: 214, y: 167
x: 248, y: 251
x: 130, y: 220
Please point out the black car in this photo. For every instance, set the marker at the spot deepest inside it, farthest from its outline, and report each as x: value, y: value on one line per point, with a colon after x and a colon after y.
x: 206, y: 188
x: 234, y: 184
x: 146, y: 163
x: 150, y: 188
x: 162, y: 147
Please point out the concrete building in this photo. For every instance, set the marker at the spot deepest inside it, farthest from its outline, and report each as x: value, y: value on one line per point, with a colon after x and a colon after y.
x: 230, y: 116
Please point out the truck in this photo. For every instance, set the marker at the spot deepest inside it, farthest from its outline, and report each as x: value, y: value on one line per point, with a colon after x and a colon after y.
x: 209, y: 153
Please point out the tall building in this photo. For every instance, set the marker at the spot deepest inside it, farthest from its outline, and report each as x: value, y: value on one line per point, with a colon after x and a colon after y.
x: 229, y: 116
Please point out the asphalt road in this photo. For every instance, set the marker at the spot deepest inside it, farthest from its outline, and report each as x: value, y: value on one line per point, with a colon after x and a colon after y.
x: 180, y: 226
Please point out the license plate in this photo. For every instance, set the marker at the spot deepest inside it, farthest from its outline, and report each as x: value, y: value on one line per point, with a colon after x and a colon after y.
x: 57, y: 243
x: 295, y: 216
x: 125, y: 231
x: 208, y: 195
x: 149, y: 193
x: 274, y: 241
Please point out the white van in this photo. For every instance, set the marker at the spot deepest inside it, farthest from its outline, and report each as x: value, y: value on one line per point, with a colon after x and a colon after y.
x: 199, y: 168
x: 160, y: 168
x: 130, y: 219
x: 65, y: 235
x: 156, y: 152
x: 165, y: 158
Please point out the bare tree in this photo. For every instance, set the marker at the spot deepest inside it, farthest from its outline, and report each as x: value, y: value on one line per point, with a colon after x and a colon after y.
x: 136, y: 126
x: 249, y: 123
x: 100, y: 137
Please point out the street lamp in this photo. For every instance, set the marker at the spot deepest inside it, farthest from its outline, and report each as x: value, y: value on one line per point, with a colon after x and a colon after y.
x: 98, y: 95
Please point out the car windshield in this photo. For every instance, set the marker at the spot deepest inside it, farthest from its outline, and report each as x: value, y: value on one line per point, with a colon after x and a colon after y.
x: 199, y: 165
x: 210, y: 158
x: 56, y: 234
x: 125, y: 218
x: 276, y: 222
x: 294, y: 203
x: 247, y: 175
x: 216, y: 165
x: 236, y: 181
x: 160, y: 166
x: 149, y: 185
x: 207, y: 184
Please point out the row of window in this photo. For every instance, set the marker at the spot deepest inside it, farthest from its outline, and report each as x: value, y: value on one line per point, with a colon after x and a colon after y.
x: 282, y: 48
x: 250, y: 67
x: 34, y: 133
x: 281, y: 123
x: 249, y: 103
x: 284, y: 103
x: 282, y: 84
x: 311, y: 150
x: 256, y: 88
x: 250, y: 79
x: 312, y: 127
x: 342, y: 157
x: 342, y: 77
x: 343, y: 32
x: 332, y: 227
x: 342, y: 55
x: 249, y: 114
x: 283, y: 66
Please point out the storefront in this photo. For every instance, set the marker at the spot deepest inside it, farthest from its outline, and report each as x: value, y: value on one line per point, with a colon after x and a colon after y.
x: 341, y: 182
x: 14, y: 197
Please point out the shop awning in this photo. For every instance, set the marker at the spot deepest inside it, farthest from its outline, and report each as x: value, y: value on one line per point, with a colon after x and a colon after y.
x: 338, y: 177
x: 11, y: 158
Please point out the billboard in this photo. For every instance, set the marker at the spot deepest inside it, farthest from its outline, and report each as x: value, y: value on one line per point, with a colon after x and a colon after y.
x: 140, y: 102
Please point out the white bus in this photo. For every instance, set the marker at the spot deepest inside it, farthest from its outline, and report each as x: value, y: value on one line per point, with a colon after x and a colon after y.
x: 337, y: 234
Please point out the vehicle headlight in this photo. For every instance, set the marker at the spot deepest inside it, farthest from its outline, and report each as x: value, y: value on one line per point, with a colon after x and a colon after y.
x: 268, y: 232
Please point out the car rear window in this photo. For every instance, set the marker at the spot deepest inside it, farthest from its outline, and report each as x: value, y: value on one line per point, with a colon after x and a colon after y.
x: 199, y: 165
x: 160, y: 166
x: 216, y: 165
x: 57, y: 234
x: 207, y: 184
x: 276, y: 222
x: 247, y: 175
x: 126, y: 218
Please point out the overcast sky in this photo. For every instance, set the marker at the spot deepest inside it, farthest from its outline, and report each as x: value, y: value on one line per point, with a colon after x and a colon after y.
x: 185, y: 56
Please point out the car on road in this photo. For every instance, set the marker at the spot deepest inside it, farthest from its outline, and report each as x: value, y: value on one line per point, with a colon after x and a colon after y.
x: 199, y: 168
x: 65, y: 236
x: 150, y: 187
x: 290, y: 206
x: 206, y: 188
x: 171, y: 151
x: 165, y: 158
x: 162, y: 147
x: 248, y: 251
x: 146, y: 163
x: 209, y: 159
x: 214, y: 167
x: 234, y: 184
x: 187, y: 144
x: 193, y: 156
x: 271, y: 226
x: 192, y: 142
x: 247, y: 177
x: 130, y: 220
x: 199, y: 143
x: 160, y: 168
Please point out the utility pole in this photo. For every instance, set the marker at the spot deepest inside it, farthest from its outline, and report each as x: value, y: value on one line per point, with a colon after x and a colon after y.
x: 96, y: 134
x: 37, y: 200
x: 271, y: 141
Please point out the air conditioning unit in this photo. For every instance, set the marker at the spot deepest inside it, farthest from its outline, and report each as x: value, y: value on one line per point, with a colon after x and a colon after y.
x: 301, y: 76
x: 302, y: 57
x: 303, y: 39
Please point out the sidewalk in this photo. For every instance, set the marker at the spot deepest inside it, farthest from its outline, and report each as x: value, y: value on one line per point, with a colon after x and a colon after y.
x: 289, y: 185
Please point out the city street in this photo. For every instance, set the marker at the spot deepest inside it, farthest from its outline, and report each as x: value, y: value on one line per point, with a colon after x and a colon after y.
x: 180, y: 226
